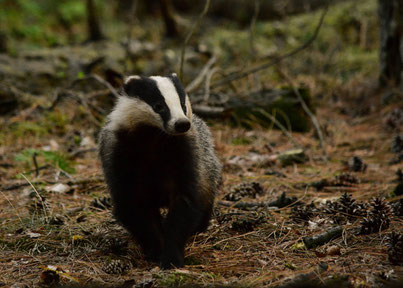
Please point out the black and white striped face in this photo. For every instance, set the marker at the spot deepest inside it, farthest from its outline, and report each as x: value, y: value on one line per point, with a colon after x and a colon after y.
x: 156, y: 101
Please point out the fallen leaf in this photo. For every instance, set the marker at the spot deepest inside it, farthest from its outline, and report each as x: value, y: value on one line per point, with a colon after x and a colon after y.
x: 58, y: 188
x: 333, y: 250
x: 33, y: 234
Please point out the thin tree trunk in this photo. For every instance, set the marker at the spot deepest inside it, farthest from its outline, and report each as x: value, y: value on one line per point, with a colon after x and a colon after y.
x: 94, y: 28
x: 3, y: 42
x: 169, y: 19
x: 391, y: 42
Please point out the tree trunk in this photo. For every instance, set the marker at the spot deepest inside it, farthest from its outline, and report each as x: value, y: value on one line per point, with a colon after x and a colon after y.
x: 94, y: 29
x: 391, y: 42
x: 3, y: 42
x: 171, y: 29
x: 241, y: 11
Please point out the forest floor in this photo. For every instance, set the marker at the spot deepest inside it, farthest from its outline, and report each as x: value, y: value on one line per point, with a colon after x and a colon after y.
x: 56, y: 226
x: 59, y: 218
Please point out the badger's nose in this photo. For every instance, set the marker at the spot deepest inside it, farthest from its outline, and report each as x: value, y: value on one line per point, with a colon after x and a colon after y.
x: 182, y: 125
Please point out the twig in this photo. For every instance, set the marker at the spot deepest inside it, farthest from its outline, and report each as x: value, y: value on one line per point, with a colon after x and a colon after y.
x: 35, y: 164
x: 252, y: 29
x: 208, y: 112
x: 310, y: 279
x: 105, y: 83
x: 280, y: 126
x: 194, y: 26
x: 281, y: 202
x: 246, y: 72
x: 207, y: 84
x: 70, y: 182
x: 309, y: 113
x: 130, y: 24
x: 45, y: 214
x: 323, y: 238
x: 82, y: 151
x: 198, y: 80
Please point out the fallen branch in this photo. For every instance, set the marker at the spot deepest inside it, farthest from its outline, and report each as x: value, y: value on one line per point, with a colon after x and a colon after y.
x: 194, y: 26
x: 20, y: 184
x: 207, y: 84
x: 323, y: 238
x: 208, y: 112
x: 105, y: 83
x: 281, y: 127
x: 308, y: 111
x: 311, y: 279
x: 246, y: 72
x: 198, y: 80
x: 281, y: 202
x: 82, y: 151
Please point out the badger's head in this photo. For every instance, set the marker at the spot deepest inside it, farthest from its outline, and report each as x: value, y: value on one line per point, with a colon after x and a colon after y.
x: 154, y: 101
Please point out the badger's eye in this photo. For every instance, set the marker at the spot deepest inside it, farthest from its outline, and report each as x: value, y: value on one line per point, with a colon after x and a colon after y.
x: 158, y: 107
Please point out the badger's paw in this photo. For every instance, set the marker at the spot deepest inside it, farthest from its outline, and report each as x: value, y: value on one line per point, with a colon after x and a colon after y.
x: 172, y: 258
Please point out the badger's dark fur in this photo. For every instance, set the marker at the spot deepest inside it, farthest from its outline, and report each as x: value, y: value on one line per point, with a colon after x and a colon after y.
x: 148, y: 167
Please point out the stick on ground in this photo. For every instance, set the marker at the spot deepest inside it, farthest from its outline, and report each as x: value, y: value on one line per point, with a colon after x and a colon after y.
x: 323, y: 238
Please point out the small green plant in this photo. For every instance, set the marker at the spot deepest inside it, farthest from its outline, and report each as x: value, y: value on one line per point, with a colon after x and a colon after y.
x: 53, y: 158
x: 56, y: 121
x: 23, y: 128
x: 241, y: 141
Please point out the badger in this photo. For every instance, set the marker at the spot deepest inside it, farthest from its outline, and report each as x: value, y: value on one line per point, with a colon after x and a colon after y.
x: 157, y: 154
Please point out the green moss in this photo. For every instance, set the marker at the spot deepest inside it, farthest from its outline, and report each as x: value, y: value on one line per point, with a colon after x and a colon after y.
x: 173, y: 279
x: 241, y: 141
x: 286, y: 108
x: 56, y: 122
x: 192, y: 260
x: 25, y: 128
x: 54, y: 158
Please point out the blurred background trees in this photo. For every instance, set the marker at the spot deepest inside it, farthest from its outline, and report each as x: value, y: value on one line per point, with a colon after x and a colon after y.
x: 348, y: 41
x: 391, y: 42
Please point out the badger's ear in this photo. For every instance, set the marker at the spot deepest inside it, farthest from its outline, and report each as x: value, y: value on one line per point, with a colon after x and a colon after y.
x: 173, y: 76
x: 132, y: 85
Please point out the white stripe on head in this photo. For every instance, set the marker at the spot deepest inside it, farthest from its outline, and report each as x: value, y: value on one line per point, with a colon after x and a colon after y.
x: 127, y: 79
x: 171, y: 97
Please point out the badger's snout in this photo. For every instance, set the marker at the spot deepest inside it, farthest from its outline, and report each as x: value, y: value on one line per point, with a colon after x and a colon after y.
x: 182, y: 125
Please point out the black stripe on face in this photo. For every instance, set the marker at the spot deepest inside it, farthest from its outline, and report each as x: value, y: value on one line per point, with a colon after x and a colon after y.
x: 146, y: 89
x: 180, y: 90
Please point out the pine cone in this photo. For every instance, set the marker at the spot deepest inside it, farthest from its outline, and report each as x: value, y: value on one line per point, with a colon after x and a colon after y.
x: 395, y: 248
x: 303, y: 213
x: 244, y: 189
x: 399, y: 174
x: 102, y: 203
x: 115, y: 245
x: 246, y: 223
x: 398, y: 208
x: 37, y: 206
x: 117, y: 267
x: 345, y: 179
x: 356, y: 164
x: 394, y: 120
x: 378, y: 218
x: 347, y: 204
x: 397, y: 144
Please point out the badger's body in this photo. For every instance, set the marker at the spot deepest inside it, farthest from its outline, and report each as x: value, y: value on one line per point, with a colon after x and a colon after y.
x: 155, y: 154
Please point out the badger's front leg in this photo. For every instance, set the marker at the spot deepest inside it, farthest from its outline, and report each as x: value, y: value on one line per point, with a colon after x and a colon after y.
x: 184, y: 217
x: 144, y: 224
